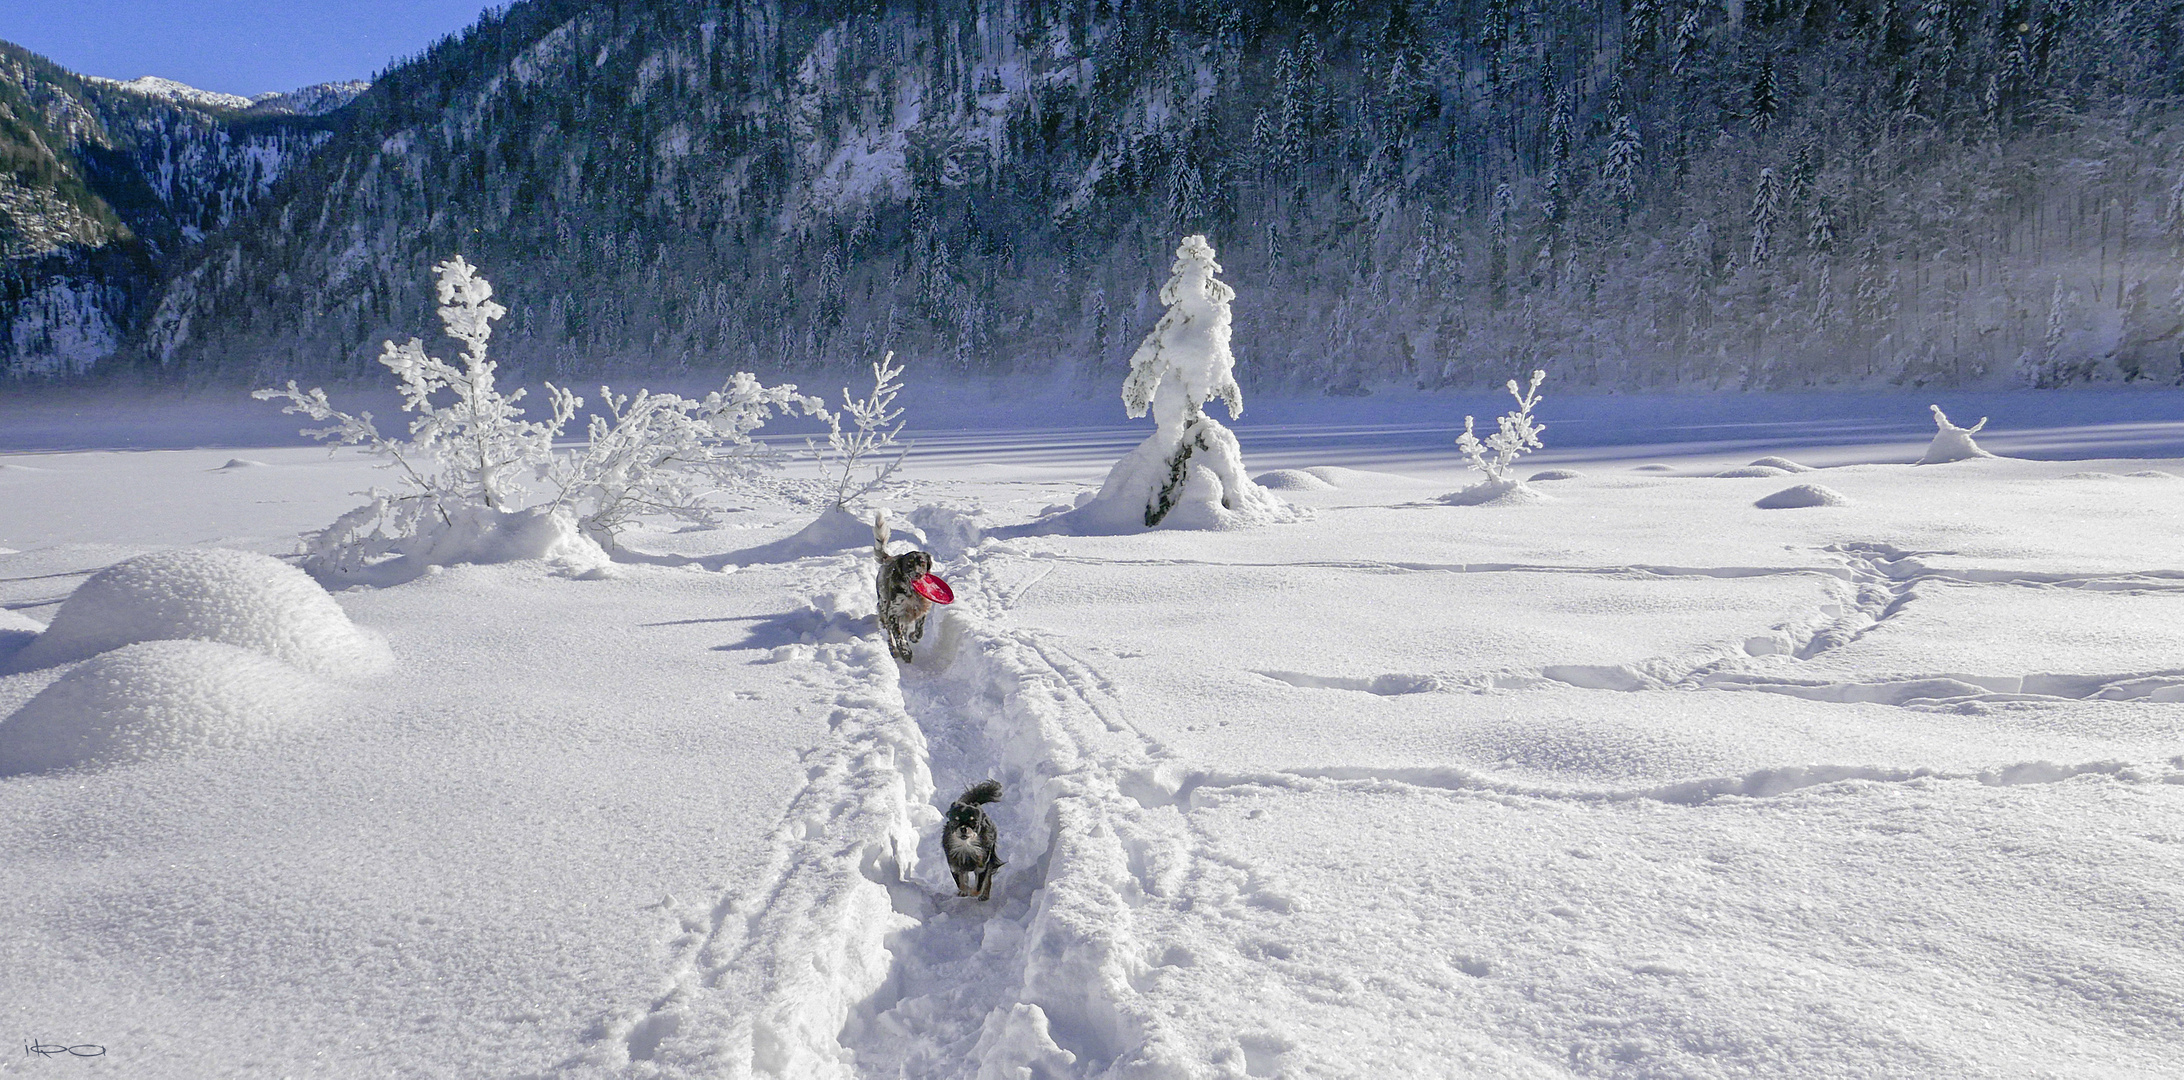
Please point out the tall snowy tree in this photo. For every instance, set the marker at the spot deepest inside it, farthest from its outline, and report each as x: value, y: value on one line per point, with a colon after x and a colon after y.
x: 1620, y: 168
x: 1190, y: 471
x: 1766, y: 214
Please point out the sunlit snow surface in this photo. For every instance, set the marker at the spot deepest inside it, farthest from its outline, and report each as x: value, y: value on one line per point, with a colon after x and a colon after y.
x: 1636, y: 779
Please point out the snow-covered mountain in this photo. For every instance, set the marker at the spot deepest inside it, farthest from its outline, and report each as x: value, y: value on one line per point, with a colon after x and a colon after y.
x: 317, y: 99
x: 112, y: 183
x: 152, y: 86
x: 1632, y: 195
x: 1683, y: 195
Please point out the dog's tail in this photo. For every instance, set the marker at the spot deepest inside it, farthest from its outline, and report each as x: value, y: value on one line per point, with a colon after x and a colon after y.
x: 985, y: 791
x: 879, y: 535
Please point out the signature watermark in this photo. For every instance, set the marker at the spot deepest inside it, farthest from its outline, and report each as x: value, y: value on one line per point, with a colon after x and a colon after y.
x: 46, y: 1049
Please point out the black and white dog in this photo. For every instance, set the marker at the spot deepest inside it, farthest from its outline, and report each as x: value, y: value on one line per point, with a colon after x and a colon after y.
x: 902, y: 609
x: 970, y: 841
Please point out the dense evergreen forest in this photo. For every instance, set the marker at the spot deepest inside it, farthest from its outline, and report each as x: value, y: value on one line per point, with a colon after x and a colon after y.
x: 1654, y: 193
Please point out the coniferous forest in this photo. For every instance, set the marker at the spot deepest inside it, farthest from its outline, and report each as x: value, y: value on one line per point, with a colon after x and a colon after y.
x: 1648, y: 194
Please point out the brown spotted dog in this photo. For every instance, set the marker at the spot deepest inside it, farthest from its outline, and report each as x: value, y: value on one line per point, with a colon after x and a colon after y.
x: 902, y: 609
x: 970, y: 841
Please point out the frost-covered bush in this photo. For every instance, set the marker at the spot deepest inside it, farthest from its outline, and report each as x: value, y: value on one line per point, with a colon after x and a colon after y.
x: 1497, y: 453
x: 471, y: 457
x: 1952, y: 443
x: 664, y: 453
x: 1190, y: 472
x: 847, y: 469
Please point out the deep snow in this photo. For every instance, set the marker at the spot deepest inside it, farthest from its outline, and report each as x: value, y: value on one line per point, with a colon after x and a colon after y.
x: 1638, y: 778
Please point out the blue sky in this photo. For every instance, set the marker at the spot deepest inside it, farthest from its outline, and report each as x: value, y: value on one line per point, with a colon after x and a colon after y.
x: 233, y: 46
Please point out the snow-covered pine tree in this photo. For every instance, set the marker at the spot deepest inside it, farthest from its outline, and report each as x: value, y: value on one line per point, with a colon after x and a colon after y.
x: 1190, y: 472
x: 1766, y: 214
x: 1620, y: 168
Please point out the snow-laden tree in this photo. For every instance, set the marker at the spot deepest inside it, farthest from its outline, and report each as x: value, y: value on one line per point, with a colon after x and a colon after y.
x: 1190, y: 471
x: 1620, y: 168
x: 1766, y: 214
x: 1495, y: 455
x: 471, y: 458
x: 1952, y: 443
x: 854, y: 464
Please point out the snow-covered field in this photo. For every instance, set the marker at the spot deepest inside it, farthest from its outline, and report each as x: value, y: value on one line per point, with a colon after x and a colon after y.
x: 1638, y: 779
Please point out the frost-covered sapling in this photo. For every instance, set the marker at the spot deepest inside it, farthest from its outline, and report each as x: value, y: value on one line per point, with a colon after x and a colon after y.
x: 854, y: 464
x: 664, y: 453
x: 463, y: 462
x: 1952, y: 443
x: 1190, y: 471
x: 1497, y: 453
x: 471, y: 455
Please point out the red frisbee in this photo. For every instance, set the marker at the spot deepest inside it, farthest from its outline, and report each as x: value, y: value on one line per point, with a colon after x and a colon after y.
x: 932, y: 588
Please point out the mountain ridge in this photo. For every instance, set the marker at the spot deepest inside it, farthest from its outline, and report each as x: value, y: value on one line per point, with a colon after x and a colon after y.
x: 1764, y: 195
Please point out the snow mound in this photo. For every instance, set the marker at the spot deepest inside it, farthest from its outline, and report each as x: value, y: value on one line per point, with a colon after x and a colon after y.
x: 2154, y: 474
x: 1653, y: 466
x: 1291, y: 480
x: 235, y: 463
x: 155, y: 699
x: 1952, y: 443
x: 1782, y: 463
x: 481, y: 534
x: 948, y: 533
x: 2094, y: 475
x: 1553, y: 474
x: 1494, y: 493
x: 9, y: 466
x: 209, y: 594
x: 1751, y: 470
x: 835, y: 529
x: 1802, y: 495
x: 16, y: 630
x: 1215, y: 494
x: 1339, y: 476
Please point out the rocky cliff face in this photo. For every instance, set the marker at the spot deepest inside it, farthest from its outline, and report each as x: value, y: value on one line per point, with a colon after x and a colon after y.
x: 106, y: 184
x: 1779, y: 194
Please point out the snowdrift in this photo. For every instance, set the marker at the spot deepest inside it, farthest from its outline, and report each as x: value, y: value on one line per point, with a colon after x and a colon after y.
x: 1802, y: 496
x: 236, y: 598
x: 154, y: 699
x: 1291, y: 480
x: 835, y: 529
x: 1495, y: 493
x: 16, y: 631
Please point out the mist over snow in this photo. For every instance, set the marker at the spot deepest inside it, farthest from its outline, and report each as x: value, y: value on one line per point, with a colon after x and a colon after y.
x: 1638, y: 778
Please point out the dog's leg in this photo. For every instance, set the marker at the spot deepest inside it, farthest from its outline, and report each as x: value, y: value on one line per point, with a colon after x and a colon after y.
x: 985, y: 884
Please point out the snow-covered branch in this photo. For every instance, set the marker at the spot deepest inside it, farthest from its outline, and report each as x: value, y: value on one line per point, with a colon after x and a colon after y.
x: 846, y: 464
